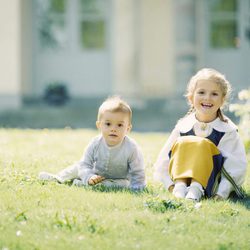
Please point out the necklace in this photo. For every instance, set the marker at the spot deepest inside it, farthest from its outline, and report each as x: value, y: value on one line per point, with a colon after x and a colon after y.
x: 203, y: 126
x: 202, y: 129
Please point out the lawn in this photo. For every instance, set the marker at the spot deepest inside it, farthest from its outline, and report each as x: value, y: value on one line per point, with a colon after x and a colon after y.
x: 38, y: 215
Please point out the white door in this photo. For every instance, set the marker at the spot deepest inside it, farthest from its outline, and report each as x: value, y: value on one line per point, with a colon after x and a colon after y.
x: 226, y: 46
x: 72, y: 45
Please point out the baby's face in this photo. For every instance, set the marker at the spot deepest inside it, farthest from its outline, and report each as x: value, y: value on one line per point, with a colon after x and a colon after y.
x: 114, y: 126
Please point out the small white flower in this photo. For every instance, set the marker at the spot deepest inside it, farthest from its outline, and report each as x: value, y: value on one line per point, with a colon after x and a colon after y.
x: 234, y: 107
x: 244, y: 94
x: 18, y: 233
x: 81, y: 237
x: 197, y: 205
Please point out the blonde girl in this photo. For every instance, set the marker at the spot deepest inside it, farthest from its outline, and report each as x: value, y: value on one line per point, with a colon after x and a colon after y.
x: 203, y: 143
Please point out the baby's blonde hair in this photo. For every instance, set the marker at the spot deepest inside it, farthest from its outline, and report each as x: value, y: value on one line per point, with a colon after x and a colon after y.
x: 210, y: 75
x: 115, y: 104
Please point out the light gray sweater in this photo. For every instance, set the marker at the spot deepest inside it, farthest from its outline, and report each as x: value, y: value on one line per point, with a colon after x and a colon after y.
x: 124, y: 161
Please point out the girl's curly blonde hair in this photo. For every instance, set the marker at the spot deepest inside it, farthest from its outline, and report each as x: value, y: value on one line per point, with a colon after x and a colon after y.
x: 210, y: 75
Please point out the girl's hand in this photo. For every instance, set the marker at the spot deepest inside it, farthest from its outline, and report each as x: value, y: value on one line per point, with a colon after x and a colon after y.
x: 218, y: 198
x: 93, y: 180
x: 170, y: 189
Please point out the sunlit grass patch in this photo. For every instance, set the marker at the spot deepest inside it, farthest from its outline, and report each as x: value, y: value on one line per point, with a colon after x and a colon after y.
x: 47, y: 215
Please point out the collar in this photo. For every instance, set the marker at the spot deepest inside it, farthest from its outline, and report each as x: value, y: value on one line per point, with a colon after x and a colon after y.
x: 112, y: 147
x: 187, y: 123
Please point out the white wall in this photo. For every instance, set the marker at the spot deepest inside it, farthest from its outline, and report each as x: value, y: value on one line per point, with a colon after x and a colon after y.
x: 157, y: 48
x: 27, y: 88
x: 10, y: 54
x: 124, y: 50
x: 143, y: 48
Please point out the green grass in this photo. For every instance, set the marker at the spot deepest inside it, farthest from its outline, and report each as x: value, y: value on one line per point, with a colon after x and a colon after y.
x: 38, y: 215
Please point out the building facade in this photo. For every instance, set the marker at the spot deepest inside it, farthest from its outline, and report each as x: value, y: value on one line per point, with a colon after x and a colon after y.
x: 141, y: 49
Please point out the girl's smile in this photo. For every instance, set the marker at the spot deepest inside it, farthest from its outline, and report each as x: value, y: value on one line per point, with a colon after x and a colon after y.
x: 207, y: 99
x: 206, y: 105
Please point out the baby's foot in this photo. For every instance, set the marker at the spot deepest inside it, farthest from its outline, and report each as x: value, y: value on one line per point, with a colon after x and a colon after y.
x: 45, y: 176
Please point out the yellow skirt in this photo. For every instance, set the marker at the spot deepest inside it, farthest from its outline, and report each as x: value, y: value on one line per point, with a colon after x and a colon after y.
x: 192, y: 157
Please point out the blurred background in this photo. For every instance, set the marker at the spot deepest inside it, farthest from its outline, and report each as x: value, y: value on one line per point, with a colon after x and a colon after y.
x: 61, y: 58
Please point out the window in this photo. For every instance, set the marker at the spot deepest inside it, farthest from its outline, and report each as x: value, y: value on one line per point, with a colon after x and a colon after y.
x: 93, y: 24
x: 223, y: 24
x: 51, y: 23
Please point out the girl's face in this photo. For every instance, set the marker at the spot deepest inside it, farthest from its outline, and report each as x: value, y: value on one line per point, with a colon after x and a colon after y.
x: 114, y: 126
x: 207, y: 99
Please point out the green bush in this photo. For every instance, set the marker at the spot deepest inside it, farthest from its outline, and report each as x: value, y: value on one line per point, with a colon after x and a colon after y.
x: 56, y: 93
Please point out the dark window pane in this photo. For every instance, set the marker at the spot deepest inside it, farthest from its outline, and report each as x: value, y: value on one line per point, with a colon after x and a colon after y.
x: 93, y: 34
x: 52, y: 33
x: 52, y: 23
x: 57, y: 6
x: 91, y: 6
x: 224, y: 5
x: 223, y: 34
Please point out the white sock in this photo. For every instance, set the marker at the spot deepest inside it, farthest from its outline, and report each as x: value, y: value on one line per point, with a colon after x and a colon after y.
x: 195, y: 191
x: 180, y: 189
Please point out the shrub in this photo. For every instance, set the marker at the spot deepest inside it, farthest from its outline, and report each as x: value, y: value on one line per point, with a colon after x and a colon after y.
x: 56, y: 93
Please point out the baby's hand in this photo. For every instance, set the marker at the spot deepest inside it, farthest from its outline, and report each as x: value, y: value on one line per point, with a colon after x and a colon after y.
x: 93, y: 180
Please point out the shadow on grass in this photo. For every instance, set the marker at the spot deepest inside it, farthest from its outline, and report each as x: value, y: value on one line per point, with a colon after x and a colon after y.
x: 243, y: 202
x: 104, y: 189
